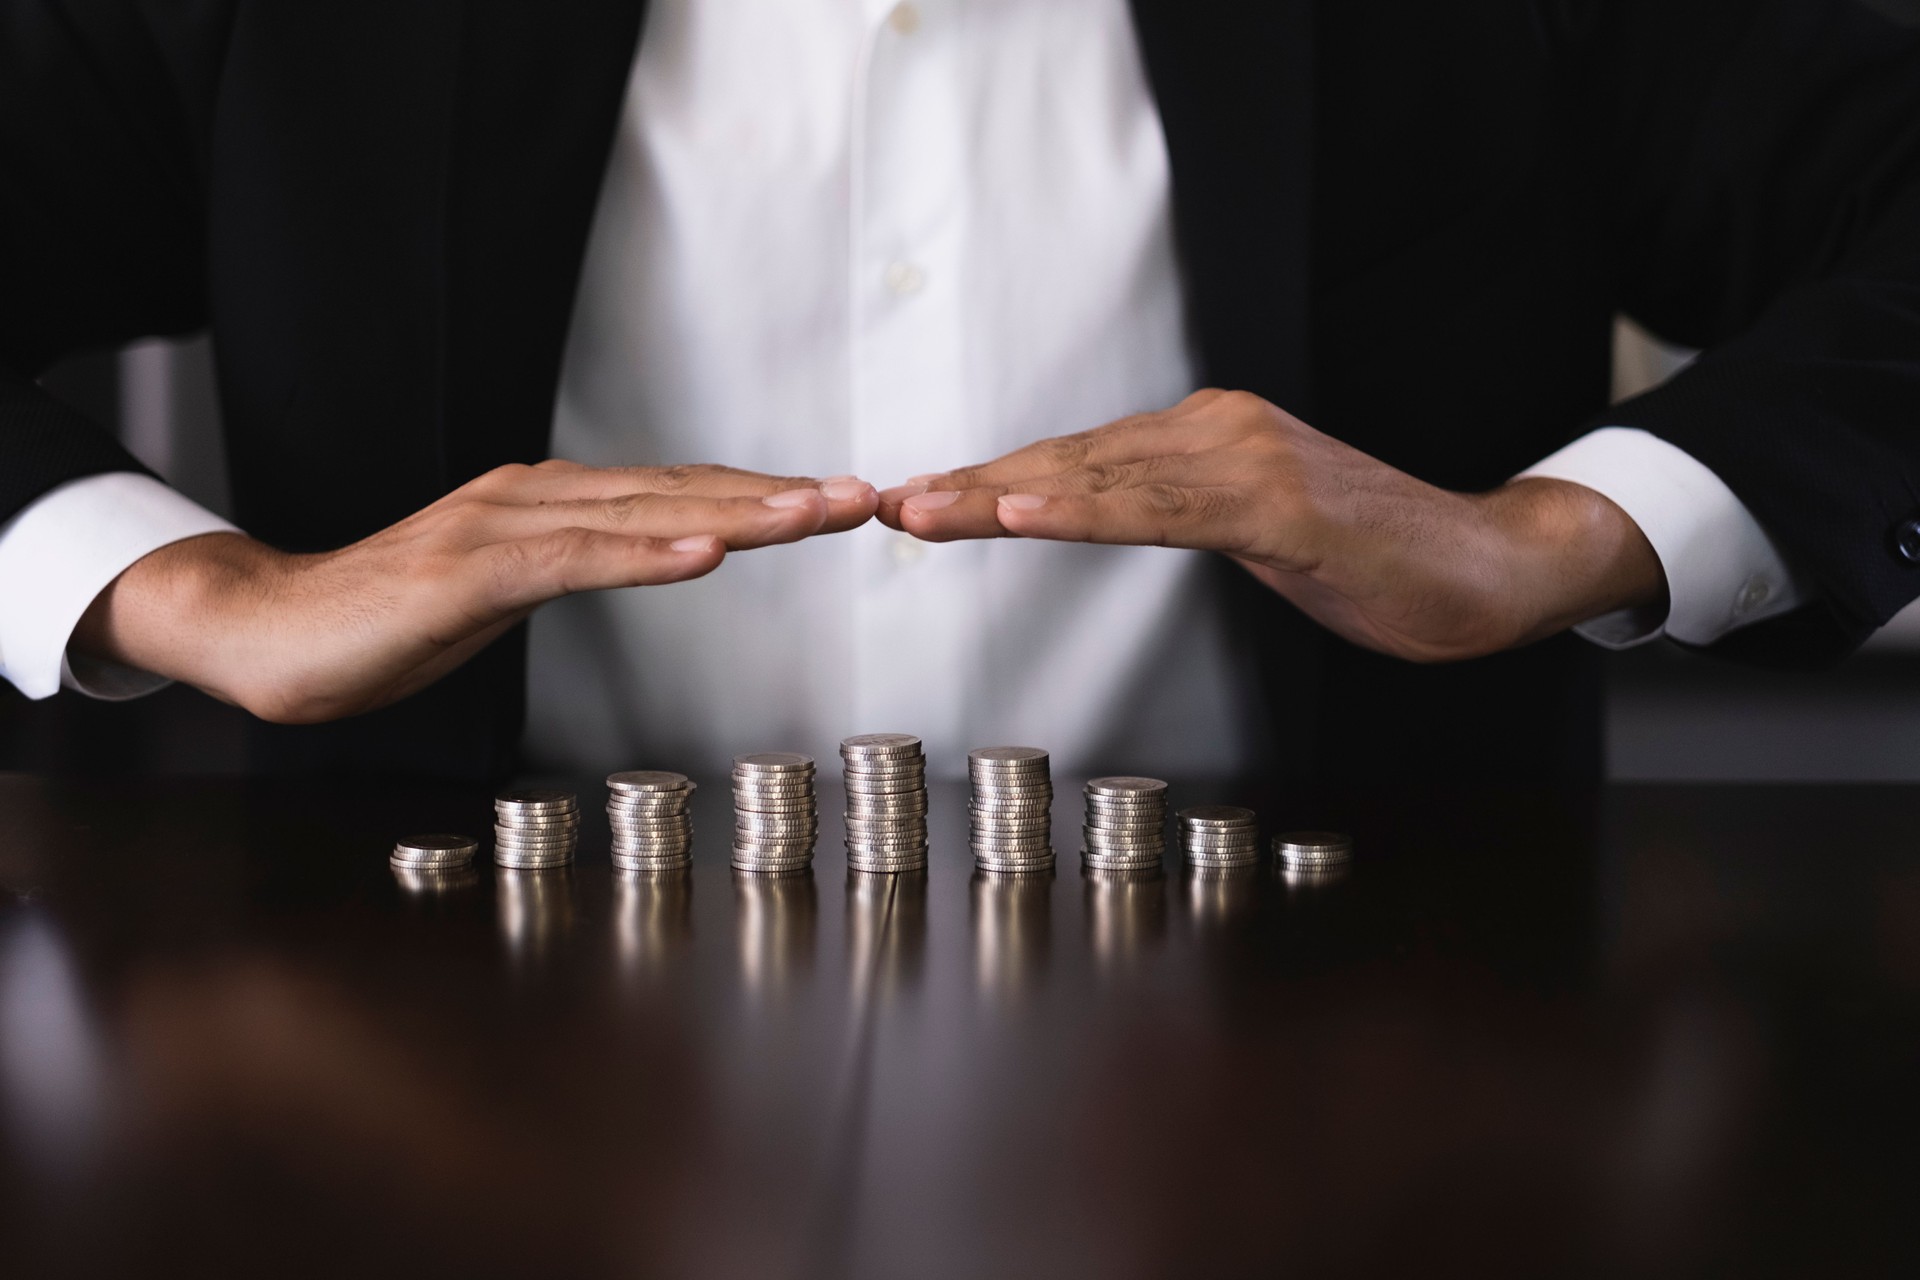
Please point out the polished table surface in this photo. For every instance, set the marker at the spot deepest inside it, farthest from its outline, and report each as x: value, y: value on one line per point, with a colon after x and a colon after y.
x: 1654, y: 1031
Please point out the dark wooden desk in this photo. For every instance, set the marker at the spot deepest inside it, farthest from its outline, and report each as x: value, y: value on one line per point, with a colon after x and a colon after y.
x: 1658, y: 1032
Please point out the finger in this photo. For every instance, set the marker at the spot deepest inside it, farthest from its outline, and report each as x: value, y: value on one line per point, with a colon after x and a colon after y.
x: 975, y: 513
x: 511, y: 576
x: 740, y: 522
x: 1200, y: 518
x: 557, y: 480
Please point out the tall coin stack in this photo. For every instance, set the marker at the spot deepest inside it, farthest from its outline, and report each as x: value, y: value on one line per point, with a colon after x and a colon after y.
x: 1011, y: 809
x: 886, y: 778
x: 534, y: 829
x: 652, y: 830
x: 1220, y: 837
x: 1126, y: 827
x: 776, y: 816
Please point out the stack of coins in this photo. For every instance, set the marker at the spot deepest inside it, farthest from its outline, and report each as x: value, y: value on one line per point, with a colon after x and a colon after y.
x: 434, y: 862
x: 1220, y: 837
x: 1313, y: 857
x: 652, y: 830
x: 886, y: 777
x: 1011, y: 810
x: 1126, y: 826
x: 533, y: 829
x: 776, y: 816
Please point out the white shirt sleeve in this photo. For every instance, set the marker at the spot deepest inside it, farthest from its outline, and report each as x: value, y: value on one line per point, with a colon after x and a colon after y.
x: 1723, y: 571
x: 61, y: 552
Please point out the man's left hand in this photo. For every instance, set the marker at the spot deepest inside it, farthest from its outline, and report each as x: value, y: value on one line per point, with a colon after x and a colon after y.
x: 1385, y: 560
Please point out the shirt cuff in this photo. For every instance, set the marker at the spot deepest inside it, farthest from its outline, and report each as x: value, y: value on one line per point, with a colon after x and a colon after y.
x: 58, y: 554
x: 1723, y: 571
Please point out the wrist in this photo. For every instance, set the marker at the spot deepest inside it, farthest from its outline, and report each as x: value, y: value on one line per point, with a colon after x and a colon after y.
x: 181, y: 612
x: 1572, y: 554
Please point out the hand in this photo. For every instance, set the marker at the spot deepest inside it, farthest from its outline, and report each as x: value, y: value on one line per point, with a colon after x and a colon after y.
x: 304, y: 638
x: 1383, y: 559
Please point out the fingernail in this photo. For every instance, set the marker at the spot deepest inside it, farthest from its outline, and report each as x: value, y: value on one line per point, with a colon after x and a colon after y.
x: 900, y: 493
x: 791, y: 498
x: 932, y: 502
x: 846, y: 489
x: 701, y: 542
x: 1023, y: 501
x: 926, y: 480
x: 836, y: 479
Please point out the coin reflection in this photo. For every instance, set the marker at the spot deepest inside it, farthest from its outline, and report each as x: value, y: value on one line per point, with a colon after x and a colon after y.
x: 536, y: 907
x: 1126, y: 914
x: 886, y: 930
x: 652, y: 918
x: 1218, y: 896
x: 1012, y: 924
x: 1307, y: 881
x: 775, y: 917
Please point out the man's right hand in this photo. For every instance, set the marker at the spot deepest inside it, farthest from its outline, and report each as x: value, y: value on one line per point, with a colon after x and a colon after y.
x: 299, y: 639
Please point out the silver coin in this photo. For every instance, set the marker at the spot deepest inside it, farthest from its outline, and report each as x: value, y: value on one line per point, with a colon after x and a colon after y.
x: 536, y: 798
x: 773, y: 762
x: 530, y: 864
x: 741, y: 863
x: 768, y: 873
x: 1122, y: 875
x: 1219, y: 814
x: 880, y: 742
x: 1126, y: 786
x: 1007, y: 756
x: 1310, y: 844
x: 647, y: 804
x: 648, y: 780
x: 888, y: 866
x: 537, y: 821
x: 664, y: 870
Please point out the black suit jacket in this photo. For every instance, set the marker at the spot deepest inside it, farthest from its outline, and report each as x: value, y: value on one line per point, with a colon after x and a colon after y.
x: 1410, y: 223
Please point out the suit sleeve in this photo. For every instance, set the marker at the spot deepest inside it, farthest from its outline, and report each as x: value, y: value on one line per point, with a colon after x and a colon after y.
x: 101, y: 210
x: 1760, y: 164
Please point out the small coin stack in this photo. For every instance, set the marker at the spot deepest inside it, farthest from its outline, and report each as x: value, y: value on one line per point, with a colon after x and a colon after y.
x: 1313, y: 857
x: 1126, y: 828
x: 652, y: 830
x: 427, y: 863
x: 534, y: 829
x: 1219, y: 837
x: 886, y: 779
x: 1011, y: 809
x: 776, y: 816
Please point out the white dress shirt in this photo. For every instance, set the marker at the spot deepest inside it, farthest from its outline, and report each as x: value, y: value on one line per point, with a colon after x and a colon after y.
x: 884, y: 239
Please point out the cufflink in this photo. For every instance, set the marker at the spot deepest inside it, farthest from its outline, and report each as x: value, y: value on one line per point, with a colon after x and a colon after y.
x: 1906, y: 541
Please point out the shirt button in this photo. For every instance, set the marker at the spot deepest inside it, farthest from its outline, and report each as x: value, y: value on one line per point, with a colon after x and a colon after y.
x: 1756, y: 593
x: 905, y: 18
x: 905, y: 279
x: 1906, y: 540
x: 908, y: 549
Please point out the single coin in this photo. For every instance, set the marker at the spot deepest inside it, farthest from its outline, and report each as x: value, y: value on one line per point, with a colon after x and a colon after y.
x: 1126, y: 787
x: 537, y: 799
x: 880, y: 742
x: 1225, y: 814
x: 773, y: 762
x: 648, y: 780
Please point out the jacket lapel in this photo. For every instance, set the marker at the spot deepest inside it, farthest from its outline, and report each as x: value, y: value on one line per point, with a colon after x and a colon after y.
x: 1235, y: 86
x: 537, y: 103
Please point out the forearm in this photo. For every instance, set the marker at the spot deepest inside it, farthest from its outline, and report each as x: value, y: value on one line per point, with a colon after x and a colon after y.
x: 1572, y: 555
